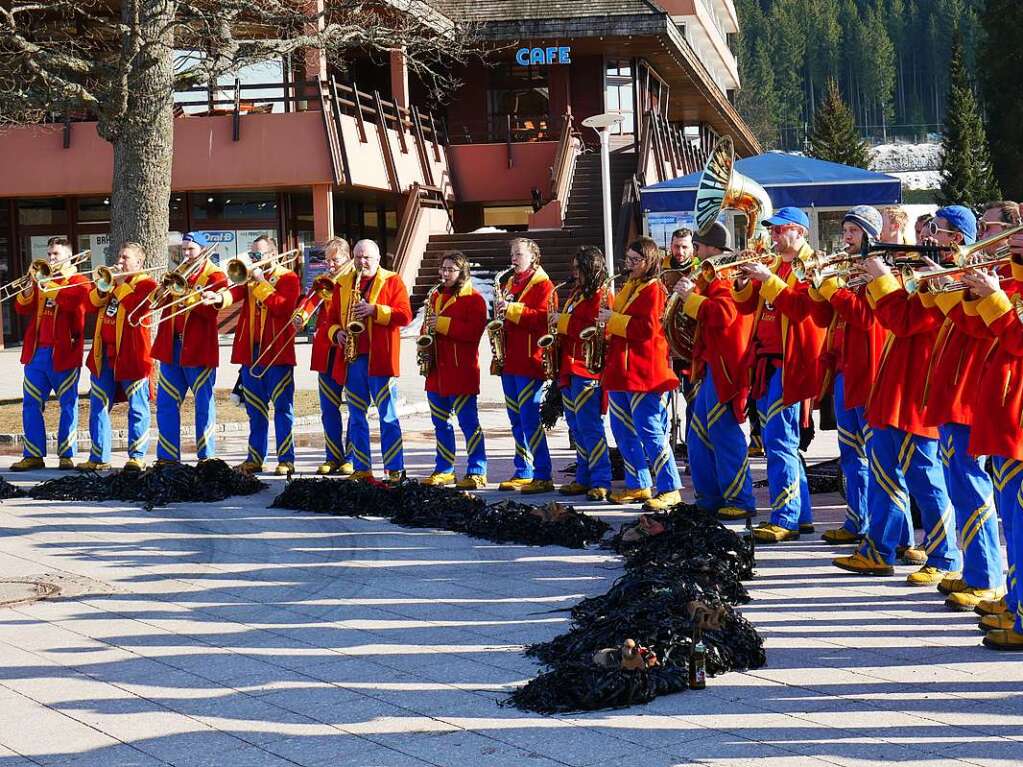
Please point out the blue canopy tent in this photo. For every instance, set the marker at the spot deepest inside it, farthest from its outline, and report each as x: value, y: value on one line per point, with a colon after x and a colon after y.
x: 803, y: 182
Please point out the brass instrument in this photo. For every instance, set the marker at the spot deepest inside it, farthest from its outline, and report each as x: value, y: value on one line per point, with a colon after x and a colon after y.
x: 173, y: 284
x: 353, y: 326
x: 548, y: 342
x: 963, y: 254
x: 495, y: 328
x: 679, y: 329
x: 945, y: 279
x: 726, y: 266
x: 41, y: 271
x: 721, y: 188
x: 323, y: 288
x: 426, y: 343
x: 594, y: 337
x: 239, y: 270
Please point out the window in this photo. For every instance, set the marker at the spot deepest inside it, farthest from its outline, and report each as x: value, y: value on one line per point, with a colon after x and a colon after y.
x: 511, y: 217
x: 518, y: 99
x: 94, y: 210
x: 228, y: 206
x: 44, y: 212
x: 618, y: 94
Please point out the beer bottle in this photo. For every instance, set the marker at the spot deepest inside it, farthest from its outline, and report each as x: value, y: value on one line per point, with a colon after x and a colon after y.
x: 697, y: 661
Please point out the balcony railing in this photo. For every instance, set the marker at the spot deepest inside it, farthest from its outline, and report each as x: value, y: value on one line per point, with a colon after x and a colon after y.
x: 513, y: 128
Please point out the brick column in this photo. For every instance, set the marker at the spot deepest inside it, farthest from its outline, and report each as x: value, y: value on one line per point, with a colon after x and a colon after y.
x: 323, y: 212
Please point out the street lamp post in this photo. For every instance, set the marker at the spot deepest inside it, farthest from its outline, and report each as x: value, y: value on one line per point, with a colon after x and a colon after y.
x: 603, y: 123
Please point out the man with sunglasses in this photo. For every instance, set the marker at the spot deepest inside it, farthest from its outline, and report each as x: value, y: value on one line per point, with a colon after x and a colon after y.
x: 788, y: 334
x: 903, y: 444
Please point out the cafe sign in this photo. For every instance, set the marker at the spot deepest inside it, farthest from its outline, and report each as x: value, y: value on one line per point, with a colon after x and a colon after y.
x: 546, y: 56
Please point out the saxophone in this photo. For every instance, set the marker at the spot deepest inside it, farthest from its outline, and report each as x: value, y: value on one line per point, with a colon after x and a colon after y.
x: 426, y: 343
x: 495, y: 328
x: 549, y: 342
x: 353, y: 327
x: 593, y: 337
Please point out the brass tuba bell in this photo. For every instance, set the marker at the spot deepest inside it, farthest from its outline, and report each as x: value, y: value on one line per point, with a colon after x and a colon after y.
x: 722, y: 188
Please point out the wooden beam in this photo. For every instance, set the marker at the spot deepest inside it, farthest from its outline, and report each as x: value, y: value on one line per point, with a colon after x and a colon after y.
x: 385, y: 144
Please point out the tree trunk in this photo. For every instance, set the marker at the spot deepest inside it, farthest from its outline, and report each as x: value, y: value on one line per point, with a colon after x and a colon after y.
x: 143, y: 139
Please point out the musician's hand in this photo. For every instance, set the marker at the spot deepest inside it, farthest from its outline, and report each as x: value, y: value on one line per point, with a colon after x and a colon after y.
x: 604, y: 315
x: 212, y: 298
x: 257, y: 275
x: 552, y: 317
x: 1016, y: 245
x: 500, y: 305
x: 755, y: 271
x: 340, y: 338
x: 875, y: 267
x: 362, y: 310
x: 298, y: 321
x: 431, y: 323
x: 684, y: 288
x: 982, y: 283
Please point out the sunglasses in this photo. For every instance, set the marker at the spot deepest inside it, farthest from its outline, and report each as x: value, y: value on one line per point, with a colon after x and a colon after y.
x: 932, y: 228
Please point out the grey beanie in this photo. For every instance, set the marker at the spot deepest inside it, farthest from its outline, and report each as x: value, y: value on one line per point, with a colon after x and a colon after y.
x: 866, y: 218
x: 716, y: 237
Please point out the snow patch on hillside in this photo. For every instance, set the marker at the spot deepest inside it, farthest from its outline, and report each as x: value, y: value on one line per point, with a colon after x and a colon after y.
x: 901, y: 158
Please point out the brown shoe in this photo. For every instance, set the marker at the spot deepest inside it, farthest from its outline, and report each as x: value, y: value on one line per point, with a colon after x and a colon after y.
x: 636, y: 495
x: 840, y: 537
x: 360, y: 475
x: 861, y: 565
x: 663, y: 501
x: 768, y: 533
x: 911, y: 555
x: 515, y: 483
x: 28, y: 463
x: 999, y: 622
x: 731, y: 513
x: 572, y: 488
x: 965, y: 600
x: 472, y: 482
x: 249, y: 467
x: 1008, y: 641
x: 439, y: 479
x: 66, y: 464
x: 995, y: 607
x: 597, y: 494
x: 928, y: 575
x: 327, y: 467
x: 537, y: 486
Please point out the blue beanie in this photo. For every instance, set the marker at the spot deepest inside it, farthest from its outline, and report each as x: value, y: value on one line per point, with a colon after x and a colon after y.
x: 866, y: 218
x: 962, y: 220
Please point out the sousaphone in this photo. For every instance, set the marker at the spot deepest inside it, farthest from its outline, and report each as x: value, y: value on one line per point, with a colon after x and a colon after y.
x: 723, y: 188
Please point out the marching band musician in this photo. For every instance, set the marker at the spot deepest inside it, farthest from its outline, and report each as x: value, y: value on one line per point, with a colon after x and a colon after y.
x: 903, y: 449
x: 787, y: 339
x: 637, y: 376
x: 379, y: 301
x: 456, y: 322
x: 188, y: 349
x: 267, y: 299
x: 120, y: 360
x: 337, y: 460
x: 582, y: 394
x: 52, y: 355
x: 682, y: 249
x: 717, y: 447
x: 523, y: 303
x: 852, y: 349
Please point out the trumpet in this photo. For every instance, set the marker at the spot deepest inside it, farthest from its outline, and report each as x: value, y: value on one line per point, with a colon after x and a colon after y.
x: 495, y: 328
x: 41, y: 271
x: 548, y: 342
x: 945, y: 279
x: 726, y: 266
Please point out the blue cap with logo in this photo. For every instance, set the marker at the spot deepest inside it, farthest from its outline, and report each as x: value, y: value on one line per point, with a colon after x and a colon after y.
x: 199, y: 238
x: 962, y: 219
x: 788, y: 215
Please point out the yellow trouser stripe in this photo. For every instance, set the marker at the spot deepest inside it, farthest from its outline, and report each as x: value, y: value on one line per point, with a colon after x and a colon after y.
x: 740, y: 477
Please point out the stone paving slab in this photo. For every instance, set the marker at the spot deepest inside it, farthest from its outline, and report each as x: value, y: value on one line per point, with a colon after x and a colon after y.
x: 237, y: 635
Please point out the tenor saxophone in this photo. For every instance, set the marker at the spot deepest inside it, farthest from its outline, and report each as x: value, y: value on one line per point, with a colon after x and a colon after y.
x: 426, y: 343
x: 549, y: 343
x: 495, y: 328
x: 353, y: 327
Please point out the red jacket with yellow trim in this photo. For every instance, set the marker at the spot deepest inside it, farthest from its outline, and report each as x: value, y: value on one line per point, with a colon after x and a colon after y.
x: 863, y: 339
x: 68, y: 320
x: 897, y: 396
x: 1000, y: 393
x: 461, y: 319
x: 132, y: 353
x: 957, y: 363
x: 637, y: 351
x: 525, y: 321
x: 722, y: 338
x: 803, y: 323
x: 199, y: 337
x: 578, y: 314
x: 393, y: 312
x: 266, y: 308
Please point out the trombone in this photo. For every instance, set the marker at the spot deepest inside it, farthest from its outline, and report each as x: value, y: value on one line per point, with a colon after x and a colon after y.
x: 40, y: 271
x: 239, y: 270
x: 323, y: 288
x: 173, y: 283
x: 920, y: 281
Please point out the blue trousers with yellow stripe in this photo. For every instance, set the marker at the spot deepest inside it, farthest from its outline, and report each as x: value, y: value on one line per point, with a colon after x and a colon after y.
x: 899, y: 460
x: 276, y: 386
x: 101, y: 397
x: 463, y: 407
x: 40, y: 380
x: 173, y: 384
x: 330, y: 417
x: 361, y: 389
x: 852, y: 456
x: 972, y: 495
x: 639, y: 423
x: 1007, y: 474
x: 786, y: 477
x: 718, y: 454
x: 522, y: 397
x: 582, y: 399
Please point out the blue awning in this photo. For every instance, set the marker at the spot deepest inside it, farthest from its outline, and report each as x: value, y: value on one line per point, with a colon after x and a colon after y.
x: 803, y: 182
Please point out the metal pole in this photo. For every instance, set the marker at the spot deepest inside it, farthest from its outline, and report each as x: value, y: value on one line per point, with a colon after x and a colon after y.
x: 605, y: 182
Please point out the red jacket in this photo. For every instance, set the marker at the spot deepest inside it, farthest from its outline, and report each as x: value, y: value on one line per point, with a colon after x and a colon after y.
x: 897, y: 396
x: 266, y: 309
x: 525, y: 321
x: 637, y: 351
x: 461, y: 319
x: 803, y: 321
x: 863, y: 338
x: 393, y: 312
x: 1000, y: 393
x: 200, y: 345
x: 578, y: 314
x: 132, y: 357
x: 956, y: 365
x: 722, y: 338
x: 68, y: 321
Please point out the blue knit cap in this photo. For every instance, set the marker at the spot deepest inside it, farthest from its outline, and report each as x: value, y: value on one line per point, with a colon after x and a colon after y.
x: 962, y: 220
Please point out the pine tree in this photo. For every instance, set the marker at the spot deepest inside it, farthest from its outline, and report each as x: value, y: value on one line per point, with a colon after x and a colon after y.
x: 834, y: 135
x: 967, y: 176
x: 1003, y: 63
x: 757, y: 101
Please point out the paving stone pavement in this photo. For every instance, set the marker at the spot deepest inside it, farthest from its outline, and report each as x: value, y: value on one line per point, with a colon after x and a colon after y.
x: 236, y: 635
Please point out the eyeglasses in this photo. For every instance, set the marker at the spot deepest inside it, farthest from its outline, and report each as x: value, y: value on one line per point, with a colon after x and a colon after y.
x: 782, y: 228
x: 449, y: 270
x: 989, y: 225
x: 932, y: 228
x: 634, y: 259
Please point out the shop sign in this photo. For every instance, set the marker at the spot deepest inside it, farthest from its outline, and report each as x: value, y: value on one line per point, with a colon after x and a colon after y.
x: 553, y: 55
